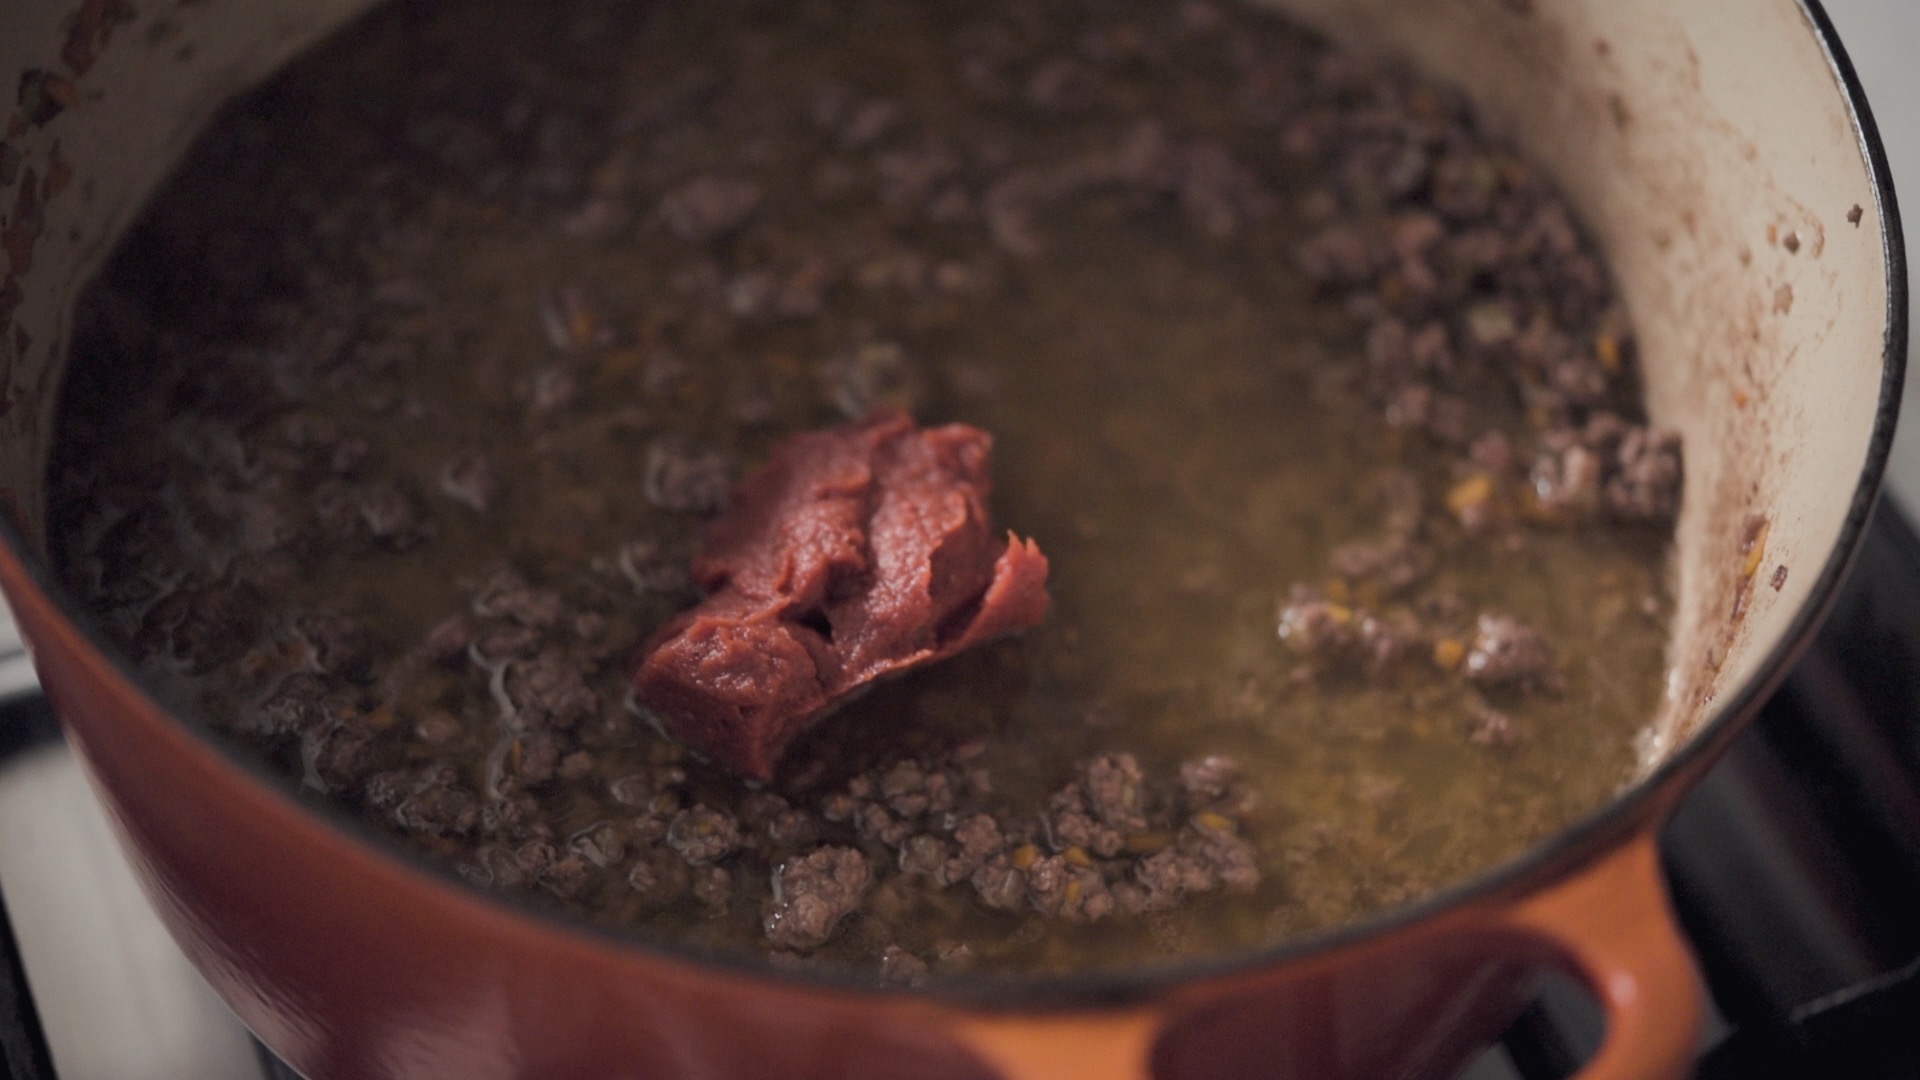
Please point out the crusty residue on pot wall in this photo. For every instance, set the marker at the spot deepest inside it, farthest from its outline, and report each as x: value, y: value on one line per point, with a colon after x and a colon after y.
x: 106, y: 94
x: 37, y: 173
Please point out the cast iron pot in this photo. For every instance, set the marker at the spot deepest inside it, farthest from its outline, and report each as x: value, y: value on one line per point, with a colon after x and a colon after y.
x: 1719, y: 150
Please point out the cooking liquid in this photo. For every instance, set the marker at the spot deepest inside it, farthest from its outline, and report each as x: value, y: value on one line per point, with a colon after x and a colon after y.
x: 370, y: 242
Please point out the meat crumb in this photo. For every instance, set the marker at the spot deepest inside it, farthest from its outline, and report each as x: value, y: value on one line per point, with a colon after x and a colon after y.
x: 703, y: 835
x: 1113, y: 784
x: 549, y: 691
x: 1508, y: 652
x: 470, y: 481
x: 684, y: 480
x: 1647, y: 483
x: 1209, y: 779
x: 709, y: 207
x: 392, y: 517
x: 506, y: 594
x: 713, y: 887
x: 1490, y: 727
x: 1000, y: 884
x: 897, y: 965
x: 811, y: 894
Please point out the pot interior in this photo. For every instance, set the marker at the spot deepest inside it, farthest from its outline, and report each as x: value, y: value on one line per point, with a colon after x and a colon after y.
x: 1720, y: 168
x: 1721, y: 173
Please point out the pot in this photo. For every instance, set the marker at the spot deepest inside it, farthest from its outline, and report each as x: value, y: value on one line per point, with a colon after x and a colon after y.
x: 1720, y: 152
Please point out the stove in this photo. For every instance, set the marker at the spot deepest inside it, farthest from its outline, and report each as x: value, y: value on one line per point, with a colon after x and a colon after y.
x: 1795, y: 865
x: 1795, y: 868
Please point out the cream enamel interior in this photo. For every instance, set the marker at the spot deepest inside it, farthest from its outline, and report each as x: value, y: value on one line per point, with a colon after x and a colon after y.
x: 1701, y: 141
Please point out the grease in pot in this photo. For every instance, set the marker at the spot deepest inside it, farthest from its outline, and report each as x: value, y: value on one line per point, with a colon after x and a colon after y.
x: 394, y: 424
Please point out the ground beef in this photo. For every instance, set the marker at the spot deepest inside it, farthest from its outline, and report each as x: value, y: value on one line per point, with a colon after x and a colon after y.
x: 600, y: 844
x: 550, y: 690
x: 552, y: 390
x: 335, y: 644
x: 924, y: 855
x: 812, y: 893
x: 1063, y: 86
x: 1314, y: 626
x: 703, y: 835
x: 391, y: 516
x: 1217, y: 193
x: 1344, y: 255
x: 1334, y: 636
x: 1070, y: 824
x: 448, y: 641
x: 1209, y: 779
x: 1607, y: 465
x: 1508, y: 652
x: 874, y: 376
x: 1167, y: 878
x: 1215, y: 840
x: 438, y: 810
x: 658, y: 878
x: 533, y: 758
x: 854, y: 124
x: 1097, y: 831
x: 1208, y: 854
x: 1395, y: 562
x: 650, y: 569
x: 1489, y: 726
x: 492, y: 647
x: 1000, y: 884
x: 564, y: 873
x: 1059, y: 886
x: 713, y: 887
x: 763, y: 301
x: 709, y: 207
x: 471, y: 481
x: 338, y: 757
x: 1385, y: 639
x: 507, y: 595
x: 1114, y: 791
x: 979, y: 838
x: 793, y: 829
x: 437, y: 729
x: 1568, y: 482
x: 853, y: 553
x: 905, y: 787
x: 897, y: 965
x: 1646, y: 483
x: 878, y: 824
x: 685, y: 480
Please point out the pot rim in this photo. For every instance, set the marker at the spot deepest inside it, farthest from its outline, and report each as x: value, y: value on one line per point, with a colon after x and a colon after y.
x: 1623, y: 814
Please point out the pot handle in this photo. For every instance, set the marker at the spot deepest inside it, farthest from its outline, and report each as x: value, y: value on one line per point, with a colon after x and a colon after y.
x: 1609, y: 925
x: 1113, y: 1046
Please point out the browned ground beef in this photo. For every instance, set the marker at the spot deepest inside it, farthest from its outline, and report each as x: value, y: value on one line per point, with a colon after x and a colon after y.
x: 394, y: 427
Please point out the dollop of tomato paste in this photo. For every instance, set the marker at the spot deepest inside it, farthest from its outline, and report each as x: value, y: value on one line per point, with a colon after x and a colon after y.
x: 853, y: 553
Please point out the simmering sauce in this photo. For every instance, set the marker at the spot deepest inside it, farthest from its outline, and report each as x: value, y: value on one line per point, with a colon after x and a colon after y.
x: 394, y: 423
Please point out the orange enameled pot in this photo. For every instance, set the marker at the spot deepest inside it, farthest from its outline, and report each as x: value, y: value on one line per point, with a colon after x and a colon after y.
x: 1718, y: 149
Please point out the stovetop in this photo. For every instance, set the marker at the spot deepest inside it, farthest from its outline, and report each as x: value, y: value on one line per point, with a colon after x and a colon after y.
x: 1795, y: 865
